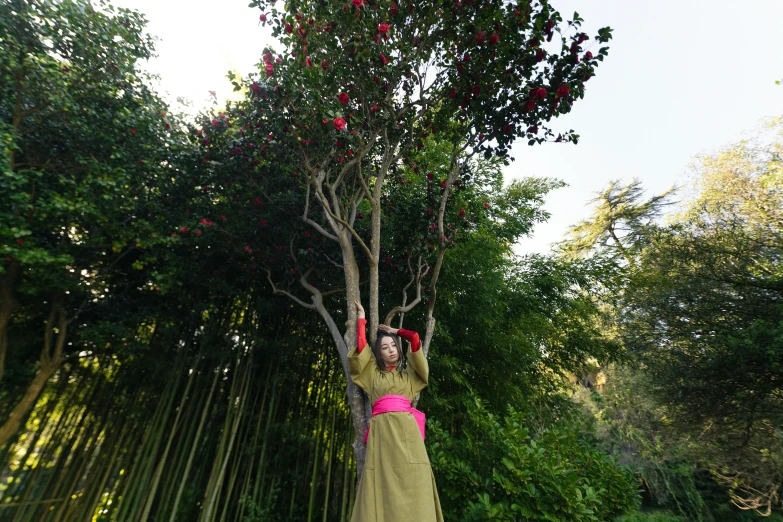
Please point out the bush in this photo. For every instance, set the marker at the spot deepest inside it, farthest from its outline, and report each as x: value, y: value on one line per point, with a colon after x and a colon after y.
x: 494, y: 469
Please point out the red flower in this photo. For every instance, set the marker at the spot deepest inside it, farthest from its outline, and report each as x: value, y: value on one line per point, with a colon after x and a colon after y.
x: 289, y: 28
x: 481, y: 37
x: 358, y: 3
x: 309, y: 62
x: 383, y: 28
x: 204, y: 142
x: 588, y: 56
x: 462, y: 212
x: 339, y: 124
x: 343, y: 98
x: 223, y: 218
x: 255, y: 88
x: 486, y: 205
x: 324, y: 65
x: 374, y: 108
x: 540, y: 54
x: 494, y: 39
x: 307, y: 233
x: 256, y: 201
x: 262, y: 222
x: 453, y: 93
x: 278, y: 60
x: 530, y: 105
x: 384, y: 60
x: 534, y: 42
x: 262, y: 17
x: 539, y: 93
x: 270, y: 68
x: 430, y: 176
x: 198, y: 232
x: 562, y: 91
x: 184, y: 230
x: 533, y: 130
x: 394, y: 10
x: 443, y: 183
x: 133, y: 131
x: 214, y: 122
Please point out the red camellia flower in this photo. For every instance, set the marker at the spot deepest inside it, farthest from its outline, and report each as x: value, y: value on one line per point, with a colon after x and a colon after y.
x: 384, y: 60
x: 204, y: 142
x: 214, y: 122
x: 255, y: 88
x: 309, y: 62
x: 430, y: 176
x: 562, y: 91
x: 530, y: 105
x: 481, y: 37
x: 256, y: 201
x: 374, y: 108
x: 540, y: 54
x: 184, y: 230
x: 533, y: 130
x: 289, y: 28
x: 539, y: 93
x: 198, y: 232
x: 394, y: 10
x: 494, y: 39
x: 133, y: 131
x: 486, y: 205
x: 383, y: 28
x: 324, y: 65
x: 339, y: 124
x: 358, y: 3
x: 588, y: 56
x: 462, y: 212
x: 262, y: 17
x: 443, y: 183
x: 344, y: 98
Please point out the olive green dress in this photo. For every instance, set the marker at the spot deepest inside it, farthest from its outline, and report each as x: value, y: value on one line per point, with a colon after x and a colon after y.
x: 397, y: 484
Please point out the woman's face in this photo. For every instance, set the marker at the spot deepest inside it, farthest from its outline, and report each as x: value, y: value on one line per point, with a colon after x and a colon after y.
x: 389, y: 352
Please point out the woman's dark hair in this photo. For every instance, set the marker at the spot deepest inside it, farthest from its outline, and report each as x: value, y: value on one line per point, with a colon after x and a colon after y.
x: 376, y: 350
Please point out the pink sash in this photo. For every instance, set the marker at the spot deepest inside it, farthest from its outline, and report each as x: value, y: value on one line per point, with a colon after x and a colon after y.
x: 389, y: 403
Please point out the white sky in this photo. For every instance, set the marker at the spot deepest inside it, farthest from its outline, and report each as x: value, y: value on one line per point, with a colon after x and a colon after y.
x: 683, y: 77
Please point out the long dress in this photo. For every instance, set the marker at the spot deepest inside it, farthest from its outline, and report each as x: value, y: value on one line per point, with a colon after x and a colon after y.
x: 397, y: 484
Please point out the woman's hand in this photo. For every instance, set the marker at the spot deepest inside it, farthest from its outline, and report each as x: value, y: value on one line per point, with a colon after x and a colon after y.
x: 359, y: 308
x: 388, y: 329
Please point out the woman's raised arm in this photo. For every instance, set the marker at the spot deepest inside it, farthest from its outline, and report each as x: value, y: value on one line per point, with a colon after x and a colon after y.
x: 361, y: 328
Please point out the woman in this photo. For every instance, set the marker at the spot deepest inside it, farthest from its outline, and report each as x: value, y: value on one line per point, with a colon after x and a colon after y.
x: 397, y: 483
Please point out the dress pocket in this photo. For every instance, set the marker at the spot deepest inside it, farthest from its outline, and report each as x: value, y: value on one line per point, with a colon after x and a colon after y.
x: 417, y: 453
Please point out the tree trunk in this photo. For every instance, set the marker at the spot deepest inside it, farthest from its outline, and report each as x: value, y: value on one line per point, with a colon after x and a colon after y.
x: 6, y: 307
x: 30, y: 397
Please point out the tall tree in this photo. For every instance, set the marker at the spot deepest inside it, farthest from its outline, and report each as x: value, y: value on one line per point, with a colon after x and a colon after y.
x: 357, y: 96
x: 618, y: 221
x: 82, y: 137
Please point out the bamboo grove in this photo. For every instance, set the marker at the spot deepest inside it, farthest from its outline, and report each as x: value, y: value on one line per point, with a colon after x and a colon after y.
x: 230, y: 426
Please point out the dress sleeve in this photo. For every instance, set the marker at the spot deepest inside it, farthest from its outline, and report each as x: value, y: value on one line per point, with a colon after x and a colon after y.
x: 361, y: 362
x: 418, y: 369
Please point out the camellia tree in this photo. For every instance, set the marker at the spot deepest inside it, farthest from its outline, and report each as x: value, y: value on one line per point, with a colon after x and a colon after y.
x: 83, y: 137
x: 378, y: 113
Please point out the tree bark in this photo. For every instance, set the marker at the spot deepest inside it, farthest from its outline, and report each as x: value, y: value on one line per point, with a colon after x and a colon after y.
x: 7, y: 282
x: 51, y: 360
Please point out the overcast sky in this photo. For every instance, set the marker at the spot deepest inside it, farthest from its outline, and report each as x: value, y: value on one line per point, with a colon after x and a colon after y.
x: 683, y: 77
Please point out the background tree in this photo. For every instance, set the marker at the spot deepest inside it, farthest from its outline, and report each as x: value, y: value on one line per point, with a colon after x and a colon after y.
x: 82, y: 141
